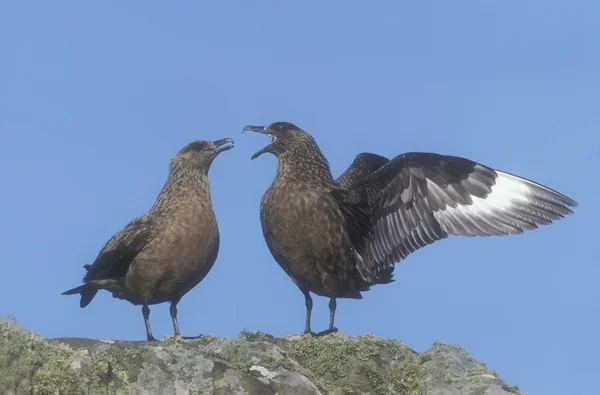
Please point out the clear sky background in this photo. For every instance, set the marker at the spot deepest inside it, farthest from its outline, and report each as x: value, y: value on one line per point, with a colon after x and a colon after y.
x: 96, y: 98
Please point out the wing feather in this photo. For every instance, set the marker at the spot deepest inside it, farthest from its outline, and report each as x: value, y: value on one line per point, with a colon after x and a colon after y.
x: 116, y: 255
x: 363, y: 166
x: 418, y: 198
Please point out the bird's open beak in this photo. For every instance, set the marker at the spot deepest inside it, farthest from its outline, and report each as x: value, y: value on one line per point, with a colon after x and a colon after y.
x: 219, y: 145
x: 259, y: 129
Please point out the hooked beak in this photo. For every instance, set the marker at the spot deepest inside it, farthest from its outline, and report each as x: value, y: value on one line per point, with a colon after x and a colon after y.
x: 219, y: 145
x: 259, y: 129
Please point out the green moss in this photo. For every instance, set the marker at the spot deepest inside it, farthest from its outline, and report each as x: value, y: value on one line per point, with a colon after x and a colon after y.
x: 173, y: 341
x: 347, y: 390
x: 337, y: 364
x: 473, y: 375
x: 376, y: 381
x: 256, y: 336
x: 353, y: 365
x: 115, y: 367
x: 329, y: 359
x: 428, y: 357
x: 408, y: 373
x: 29, y: 363
x: 272, y: 363
x: 53, y: 373
x: 243, y: 366
x: 203, y: 340
x: 326, y: 356
x: 511, y: 388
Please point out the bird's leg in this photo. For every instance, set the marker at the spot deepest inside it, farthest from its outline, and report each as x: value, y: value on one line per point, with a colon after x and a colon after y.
x: 176, y: 323
x: 332, y: 329
x: 309, y: 305
x: 146, y: 313
x: 332, y: 307
x: 173, y: 311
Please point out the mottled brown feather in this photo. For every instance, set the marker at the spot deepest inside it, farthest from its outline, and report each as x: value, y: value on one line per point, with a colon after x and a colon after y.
x: 164, y: 253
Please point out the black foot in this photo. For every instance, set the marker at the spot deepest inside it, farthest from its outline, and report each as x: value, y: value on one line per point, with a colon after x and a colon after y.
x: 327, y: 332
x: 191, y: 337
x: 322, y: 333
x: 151, y: 339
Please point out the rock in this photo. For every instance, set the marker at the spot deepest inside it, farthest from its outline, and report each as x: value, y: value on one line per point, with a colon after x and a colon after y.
x: 253, y: 363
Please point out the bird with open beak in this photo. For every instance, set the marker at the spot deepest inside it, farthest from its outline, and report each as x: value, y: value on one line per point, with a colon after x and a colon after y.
x: 337, y: 238
x: 161, y: 255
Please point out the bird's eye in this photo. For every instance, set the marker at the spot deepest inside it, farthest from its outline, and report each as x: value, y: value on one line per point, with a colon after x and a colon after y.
x: 198, y: 147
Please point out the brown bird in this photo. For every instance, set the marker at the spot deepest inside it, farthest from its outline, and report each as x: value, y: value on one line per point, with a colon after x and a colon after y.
x: 336, y: 238
x: 161, y: 255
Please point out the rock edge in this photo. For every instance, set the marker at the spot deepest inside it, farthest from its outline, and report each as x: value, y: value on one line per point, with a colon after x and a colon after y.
x: 252, y: 363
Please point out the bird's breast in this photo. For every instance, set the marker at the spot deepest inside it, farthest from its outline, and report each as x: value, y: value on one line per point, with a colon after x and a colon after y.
x: 305, y: 232
x: 191, y: 236
x: 301, y: 223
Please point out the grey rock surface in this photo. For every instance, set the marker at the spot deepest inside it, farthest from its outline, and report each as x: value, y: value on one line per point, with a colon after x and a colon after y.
x: 253, y: 363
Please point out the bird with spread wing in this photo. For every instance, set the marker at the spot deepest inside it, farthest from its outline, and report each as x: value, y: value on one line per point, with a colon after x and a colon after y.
x: 338, y: 237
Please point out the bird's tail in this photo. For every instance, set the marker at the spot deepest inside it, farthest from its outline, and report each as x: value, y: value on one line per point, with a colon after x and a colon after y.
x: 87, y: 294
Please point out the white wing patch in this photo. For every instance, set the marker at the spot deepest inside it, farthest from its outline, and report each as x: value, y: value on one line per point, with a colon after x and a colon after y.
x: 513, y: 205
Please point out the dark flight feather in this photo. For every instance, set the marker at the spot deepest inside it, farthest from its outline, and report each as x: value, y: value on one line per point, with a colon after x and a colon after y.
x: 418, y: 198
x: 117, y: 254
x: 113, y: 260
x: 363, y: 166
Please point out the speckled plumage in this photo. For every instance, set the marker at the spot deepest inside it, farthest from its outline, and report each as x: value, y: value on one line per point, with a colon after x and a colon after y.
x: 336, y: 238
x: 161, y: 255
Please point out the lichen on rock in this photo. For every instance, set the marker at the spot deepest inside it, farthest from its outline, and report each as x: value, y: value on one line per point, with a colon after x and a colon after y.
x: 253, y: 363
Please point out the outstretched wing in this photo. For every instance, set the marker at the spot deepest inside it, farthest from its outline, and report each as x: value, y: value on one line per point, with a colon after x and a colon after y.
x: 363, y: 166
x: 120, y: 250
x: 418, y: 198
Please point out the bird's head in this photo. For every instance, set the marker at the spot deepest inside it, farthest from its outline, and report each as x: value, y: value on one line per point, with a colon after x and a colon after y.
x: 200, y: 154
x: 285, y: 138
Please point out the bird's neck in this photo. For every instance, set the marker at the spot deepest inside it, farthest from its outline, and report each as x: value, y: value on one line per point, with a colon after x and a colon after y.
x: 306, y: 169
x: 187, y: 188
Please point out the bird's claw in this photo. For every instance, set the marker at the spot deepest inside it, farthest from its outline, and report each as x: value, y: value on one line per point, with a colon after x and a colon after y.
x: 191, y: 337
x: 327, y: 332
x: 322, y: 333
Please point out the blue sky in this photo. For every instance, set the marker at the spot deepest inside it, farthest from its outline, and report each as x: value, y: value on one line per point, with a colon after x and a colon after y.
x: 96, y: 98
